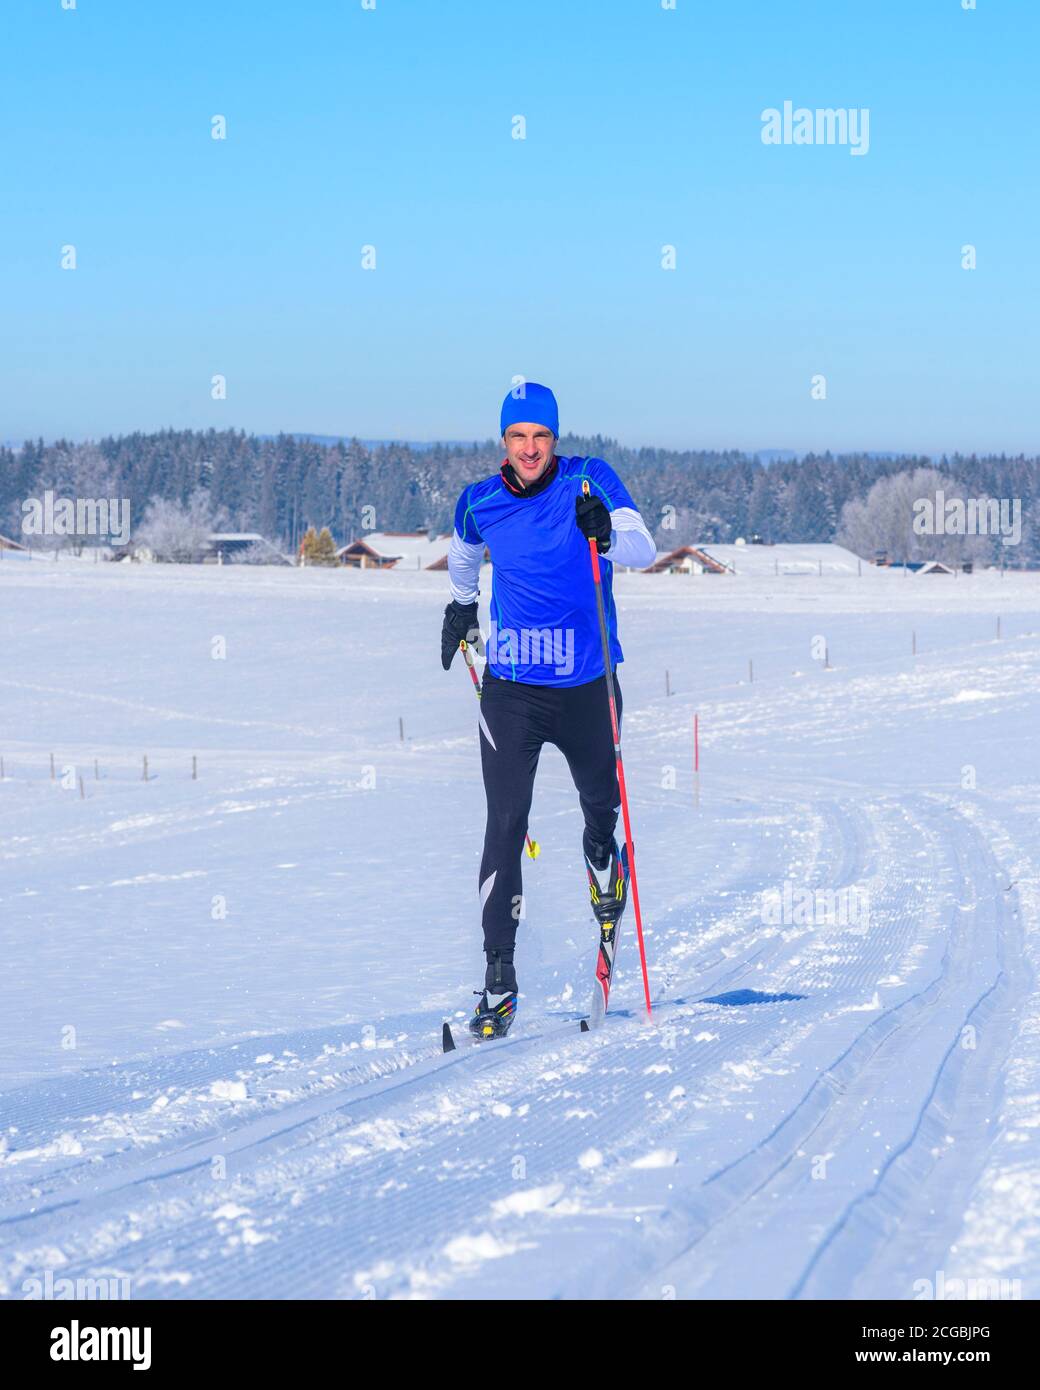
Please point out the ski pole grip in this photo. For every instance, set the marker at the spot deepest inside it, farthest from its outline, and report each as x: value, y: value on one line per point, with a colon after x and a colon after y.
x: 593, y: 549
x: 468, y: 658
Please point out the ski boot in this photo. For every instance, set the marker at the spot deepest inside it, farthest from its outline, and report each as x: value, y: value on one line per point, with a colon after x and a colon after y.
x: 493, y: 1015
x: 496, y: 1008
x: 608, y: 889
x: 608, y: 883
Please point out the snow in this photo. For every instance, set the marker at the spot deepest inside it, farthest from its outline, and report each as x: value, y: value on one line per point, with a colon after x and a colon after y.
x: 220, y: 1072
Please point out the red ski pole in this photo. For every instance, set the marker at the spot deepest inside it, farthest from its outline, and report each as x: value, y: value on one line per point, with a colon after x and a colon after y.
x: 609, y: 675
x: 534, y: 849
x: 464, y: 648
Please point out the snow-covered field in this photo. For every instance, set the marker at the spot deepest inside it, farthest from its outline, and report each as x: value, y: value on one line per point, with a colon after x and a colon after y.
x: 220, y: 998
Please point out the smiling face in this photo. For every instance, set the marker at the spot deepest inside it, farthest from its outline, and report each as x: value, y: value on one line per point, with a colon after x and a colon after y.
x: 529, y: 448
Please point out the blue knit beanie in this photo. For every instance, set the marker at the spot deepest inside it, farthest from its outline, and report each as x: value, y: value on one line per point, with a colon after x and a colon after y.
x: 529, y: 403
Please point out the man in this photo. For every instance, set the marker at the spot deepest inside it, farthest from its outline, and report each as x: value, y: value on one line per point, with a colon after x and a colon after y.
x: 544, y: 681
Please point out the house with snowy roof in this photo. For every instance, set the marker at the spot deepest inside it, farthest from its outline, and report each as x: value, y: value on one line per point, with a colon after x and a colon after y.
x: 406, y: 550
x: 918, y: 566
x: 758, y: 560
x: 687, y: 559
x: 225, y: 546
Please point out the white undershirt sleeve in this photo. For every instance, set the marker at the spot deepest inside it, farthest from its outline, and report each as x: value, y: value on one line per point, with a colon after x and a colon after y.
x: 464, y: 561
x: 631, y: 543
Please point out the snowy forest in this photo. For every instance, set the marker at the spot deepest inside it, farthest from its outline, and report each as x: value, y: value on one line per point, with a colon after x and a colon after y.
x: 283, y: 485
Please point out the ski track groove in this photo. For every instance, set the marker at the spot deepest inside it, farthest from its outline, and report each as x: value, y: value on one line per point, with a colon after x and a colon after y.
x: 827, y: 1114
x: 891, y: 1223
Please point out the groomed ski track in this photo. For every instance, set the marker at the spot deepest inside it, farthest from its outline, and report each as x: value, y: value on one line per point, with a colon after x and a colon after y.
x: 458, y: 1174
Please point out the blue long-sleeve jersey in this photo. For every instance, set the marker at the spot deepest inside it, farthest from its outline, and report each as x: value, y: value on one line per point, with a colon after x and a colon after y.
x: 544, y: 629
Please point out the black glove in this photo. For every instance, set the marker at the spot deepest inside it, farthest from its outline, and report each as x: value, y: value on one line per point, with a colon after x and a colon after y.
x: 593, y: 521
x: 460, y: 625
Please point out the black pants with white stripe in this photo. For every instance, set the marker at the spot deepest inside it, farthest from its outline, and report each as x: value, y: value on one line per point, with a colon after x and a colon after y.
x: 516, y: 720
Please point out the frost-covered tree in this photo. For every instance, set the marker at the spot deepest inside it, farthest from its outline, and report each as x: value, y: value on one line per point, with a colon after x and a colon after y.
x: 82, y: 475
x: 688, y: 526
x: 883, y: 520
x: 176, y: 532
x: 259, y: 553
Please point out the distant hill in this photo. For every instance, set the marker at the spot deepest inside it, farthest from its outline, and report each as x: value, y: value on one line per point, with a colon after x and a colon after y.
x: 416, y: 445
x: 768, y: 456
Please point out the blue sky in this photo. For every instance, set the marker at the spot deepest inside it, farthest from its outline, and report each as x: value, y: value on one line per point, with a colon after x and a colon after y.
x: 539, y: 257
